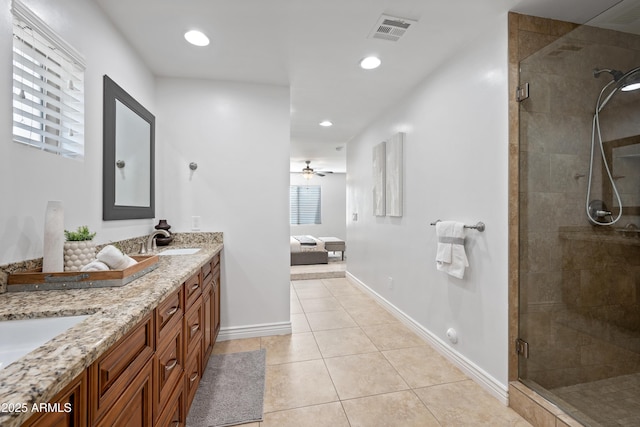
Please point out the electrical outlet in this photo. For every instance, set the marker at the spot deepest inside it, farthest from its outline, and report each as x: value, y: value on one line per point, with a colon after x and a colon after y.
x: 195, y: 223
x: 390, y: 282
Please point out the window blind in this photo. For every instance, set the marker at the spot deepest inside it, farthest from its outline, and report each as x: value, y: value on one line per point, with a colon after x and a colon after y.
x: 48, y: 87
x: 304, y: 204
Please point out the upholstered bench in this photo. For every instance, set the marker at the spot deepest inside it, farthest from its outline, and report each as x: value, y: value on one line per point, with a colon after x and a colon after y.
x: 333, y: 244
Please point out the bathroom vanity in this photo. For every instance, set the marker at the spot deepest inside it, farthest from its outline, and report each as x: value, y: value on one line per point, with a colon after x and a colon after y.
x: 138, y: 357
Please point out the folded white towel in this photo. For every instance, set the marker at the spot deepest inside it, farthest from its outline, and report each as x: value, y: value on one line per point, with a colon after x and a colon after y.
x: 95, y: 265
x: 450, y: 255
x: 114, y: 258
x: 130, y: 261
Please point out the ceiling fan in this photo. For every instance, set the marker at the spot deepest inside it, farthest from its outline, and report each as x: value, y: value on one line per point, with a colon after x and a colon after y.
x: 308, y: 172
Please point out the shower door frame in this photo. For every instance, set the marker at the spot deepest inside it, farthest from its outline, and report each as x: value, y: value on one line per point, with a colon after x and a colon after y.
x: 527, y: 35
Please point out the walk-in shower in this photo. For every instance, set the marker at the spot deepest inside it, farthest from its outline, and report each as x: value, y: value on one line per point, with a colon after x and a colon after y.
x: 579, y: 275
x: 597, y: 210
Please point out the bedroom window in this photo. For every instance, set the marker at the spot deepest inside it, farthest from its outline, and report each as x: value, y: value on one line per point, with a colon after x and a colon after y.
x: 48, y: 88
x: 304, y: 204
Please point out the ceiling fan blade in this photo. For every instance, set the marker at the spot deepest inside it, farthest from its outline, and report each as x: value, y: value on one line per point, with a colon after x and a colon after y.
x: 318, y: 173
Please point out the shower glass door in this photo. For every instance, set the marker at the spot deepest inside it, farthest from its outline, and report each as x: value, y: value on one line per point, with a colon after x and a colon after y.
x: 579, y: 282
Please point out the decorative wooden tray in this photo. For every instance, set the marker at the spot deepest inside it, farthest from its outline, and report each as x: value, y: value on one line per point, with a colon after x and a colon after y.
x: 39, y: 281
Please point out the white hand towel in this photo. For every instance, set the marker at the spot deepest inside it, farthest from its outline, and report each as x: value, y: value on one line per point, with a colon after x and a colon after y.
x: 95, y: 265
x: 113, y: 257
x: 130, y: 261
x: 450, y: 255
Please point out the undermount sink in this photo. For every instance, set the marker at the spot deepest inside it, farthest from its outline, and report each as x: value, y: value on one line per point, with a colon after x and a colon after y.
x: 20, y: 337
x: 180, y: 251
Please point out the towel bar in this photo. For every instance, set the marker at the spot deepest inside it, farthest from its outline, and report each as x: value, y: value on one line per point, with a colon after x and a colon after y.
x: 479, y: 226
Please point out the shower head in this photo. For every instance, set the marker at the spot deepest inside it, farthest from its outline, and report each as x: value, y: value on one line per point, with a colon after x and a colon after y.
x: 621, y: 82
x: 624, y: 81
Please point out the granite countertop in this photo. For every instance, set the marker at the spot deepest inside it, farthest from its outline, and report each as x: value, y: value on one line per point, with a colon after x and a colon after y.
x: 40, y: 375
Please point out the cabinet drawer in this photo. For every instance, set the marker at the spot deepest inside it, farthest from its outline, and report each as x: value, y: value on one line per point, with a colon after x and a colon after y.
x: 111, y: 374
x: 207, y: 336
x: 192, y: 289
x: 73, y: 403
x: 207, y: 269
x: 193, y: 326
x: 192, y: 376
x: 169, y: 312
x: 170, y: 364
x: 134, y: 406
x: 175, y: 413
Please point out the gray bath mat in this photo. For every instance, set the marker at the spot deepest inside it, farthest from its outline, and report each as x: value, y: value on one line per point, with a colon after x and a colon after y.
x: 231, y: 390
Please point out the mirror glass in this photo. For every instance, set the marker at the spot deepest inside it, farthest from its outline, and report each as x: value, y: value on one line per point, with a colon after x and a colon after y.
x: 128, y: 168
x: 623, y: 157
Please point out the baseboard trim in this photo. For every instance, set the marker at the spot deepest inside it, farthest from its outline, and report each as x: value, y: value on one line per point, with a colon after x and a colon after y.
x: 477, y: 374
x: 253, y: 331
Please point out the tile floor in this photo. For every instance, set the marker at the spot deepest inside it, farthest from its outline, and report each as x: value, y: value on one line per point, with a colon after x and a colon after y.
x: 349, y: 363
x: 608, y: 402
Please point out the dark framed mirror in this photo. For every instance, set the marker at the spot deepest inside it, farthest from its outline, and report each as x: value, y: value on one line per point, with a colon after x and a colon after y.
x: 128, y: 180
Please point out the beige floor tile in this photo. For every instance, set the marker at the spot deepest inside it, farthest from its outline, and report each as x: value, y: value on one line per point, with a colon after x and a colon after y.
x: 295, y: 306
x: 391, y: 336
x: 401, y: 409
x: 371, y: 316
x: 307, y: 284
x: 314, y: 292
x: 327, y: 415
x: 423, y: 366
x: 235, y: 346
x: 330, y: 320
x: 343, y: 342
x: 299, y: 323
x: 320, y: 304
x: 361, y: 301
x: 363, y: 375
x: 290, y: 348
x: 341, y: 287
x: 465, y: 403
x: 298, y: 384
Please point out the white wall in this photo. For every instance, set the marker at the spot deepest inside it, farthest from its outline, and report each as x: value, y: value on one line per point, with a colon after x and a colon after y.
x: 455, y: 168
x: 238, y: 134
x: 29, y: 177
x: 334, y: 205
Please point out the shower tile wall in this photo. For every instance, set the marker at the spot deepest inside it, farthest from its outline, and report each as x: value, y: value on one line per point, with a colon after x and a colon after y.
x: 579, y: 285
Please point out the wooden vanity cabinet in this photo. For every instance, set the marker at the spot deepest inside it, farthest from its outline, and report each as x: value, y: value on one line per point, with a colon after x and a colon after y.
x: 134, y: 407
x: 170, y: 356
x: 211, y: 306
x: 150, y: 376
x: 70, y: 404
x: 120, y: 379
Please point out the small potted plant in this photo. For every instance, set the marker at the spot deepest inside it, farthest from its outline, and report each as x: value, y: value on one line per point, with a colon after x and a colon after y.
x: 79, y: 249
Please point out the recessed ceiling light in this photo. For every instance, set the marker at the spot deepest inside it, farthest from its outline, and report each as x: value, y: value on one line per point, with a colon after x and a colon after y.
x: 326, y: 123
x: 196, y: 38
x: 370, y: 62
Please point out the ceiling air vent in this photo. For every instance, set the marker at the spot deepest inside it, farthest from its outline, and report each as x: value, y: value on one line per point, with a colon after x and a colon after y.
x: 390, y: 28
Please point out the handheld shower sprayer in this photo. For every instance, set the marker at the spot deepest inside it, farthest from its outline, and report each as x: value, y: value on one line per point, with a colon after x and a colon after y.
x: 621, y: 82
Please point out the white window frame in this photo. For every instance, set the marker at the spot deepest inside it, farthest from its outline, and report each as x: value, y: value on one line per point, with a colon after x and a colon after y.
x: 48, y: 87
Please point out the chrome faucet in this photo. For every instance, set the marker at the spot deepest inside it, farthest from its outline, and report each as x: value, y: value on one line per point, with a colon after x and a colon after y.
x: 151, y: 242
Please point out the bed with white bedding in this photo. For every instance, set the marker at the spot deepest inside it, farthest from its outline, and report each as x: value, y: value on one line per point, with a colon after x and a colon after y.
x: 307, y: 250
